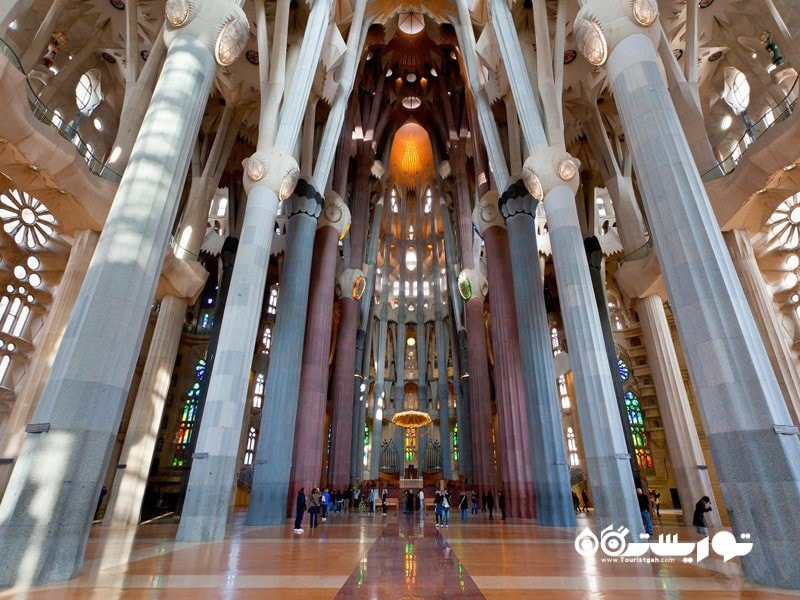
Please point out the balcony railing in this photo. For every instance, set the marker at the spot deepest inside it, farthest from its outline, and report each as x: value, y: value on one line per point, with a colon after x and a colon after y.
x: 771, y: 117
x: 65, y: 129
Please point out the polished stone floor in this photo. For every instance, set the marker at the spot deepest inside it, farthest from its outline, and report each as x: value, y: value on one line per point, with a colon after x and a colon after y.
x: 384, y: 558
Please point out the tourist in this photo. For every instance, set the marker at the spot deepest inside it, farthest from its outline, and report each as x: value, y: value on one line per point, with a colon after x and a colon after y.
x: 655, y: 496
x: 300, y: 508
x: 437, y: 507
x: 384, y: 498
x: 421, y: 504
x: 700, y: 509
x: 576, y: 502
x: 644, y: 508
x: 445, y: 519
x: 464, y: 506
x: 585, y: 497
x: 501, y: 504
x: 474, y: 502
x: 314, y: 506
x: 373, y: 499
x: 490, y: 504
x: 326, y: 498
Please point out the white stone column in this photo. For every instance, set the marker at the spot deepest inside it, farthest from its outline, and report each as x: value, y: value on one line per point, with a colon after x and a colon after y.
x: 45, y: 516
x: 39, y: 43
x: 765, y: 314
x: 691, y: 473
x: 48, y: 343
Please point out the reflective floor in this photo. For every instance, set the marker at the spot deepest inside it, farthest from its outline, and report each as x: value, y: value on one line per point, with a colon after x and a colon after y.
x: 385, y: 557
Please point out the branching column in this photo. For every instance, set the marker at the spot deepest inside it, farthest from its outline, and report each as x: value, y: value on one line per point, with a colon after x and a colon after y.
x: 63, y: 458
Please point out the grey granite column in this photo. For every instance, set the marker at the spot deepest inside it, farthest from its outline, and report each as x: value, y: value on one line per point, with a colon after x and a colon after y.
x: 550, y: 469
x: 767, y: 320
x: 379, y: 391
x: 441, y: 333
x: 48, y: 343
x: 752, y: 438
x: 607, y: 458
x: 273, y: 459
x: 65, y: 454
x: 691, y: 472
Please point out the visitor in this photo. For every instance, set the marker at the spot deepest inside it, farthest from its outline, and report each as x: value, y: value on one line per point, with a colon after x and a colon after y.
x: 483, y: 502
x: 326, y: 498
x: 314, y: 506
x: 437, y: 508
x: 501, y: 504
x: 490, y: 504
x: 421, y: 504
x: 384, y: 498
x: 655, y: 495
x: 699, y: 520
x: 373, y: 500
x: 463, y: 504
x: 644, y: 508
x: 409, y: 503
x: 474, y: 498
x: 446, y: 509
x: 300, y: 508
x: 576, y: 502
x: 356, y: 498
x: 585, y: 497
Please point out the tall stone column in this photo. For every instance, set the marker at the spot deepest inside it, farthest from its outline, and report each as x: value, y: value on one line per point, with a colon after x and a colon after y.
x: 271, y: 176
x: 752, y: 438
x: 309, y: 435
x: 473, y: 288
x: 343, y: 371
x: 551, y: 480
x: 510, y: 393
x: 551, y: 173
x: 273, y: 459
x: 691, y: 473
x: 759, y: 298
x: 49, y: 342
x: 63, y: 459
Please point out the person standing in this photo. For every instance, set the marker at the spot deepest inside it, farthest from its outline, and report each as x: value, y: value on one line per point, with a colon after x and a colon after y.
x: 585, y: 497
x: 656, y: 497
x: 576, y: 502
x: 373, y: 500
x: 326, y: 500
x: 437, y: 508
x: 421, y: 504
x: 384, y: 498
x: 464, y: 506
x: 490, y: 504
x: 314, y: 506
x: 474, y: 502
x: 700, y: 509
x: 445, y: 519
x: 501, y: 503
x: 300, y: 508
x: 644, y: 508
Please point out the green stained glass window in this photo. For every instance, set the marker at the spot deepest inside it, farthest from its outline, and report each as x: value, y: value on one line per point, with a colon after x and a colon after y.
x: 186, y: 428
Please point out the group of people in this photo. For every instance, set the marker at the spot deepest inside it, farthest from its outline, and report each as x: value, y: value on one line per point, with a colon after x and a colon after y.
x: 648, y: 503
x: 576, y: 502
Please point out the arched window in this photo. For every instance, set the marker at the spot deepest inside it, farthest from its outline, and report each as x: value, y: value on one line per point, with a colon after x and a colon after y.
x: 266, y: 340
x: 272, y: 303
x: 250, y: 451
x: 638, y: 435
x: 572, y: 448
x: 258, y: 391
x: 563, y: 393
x: 555, y: 340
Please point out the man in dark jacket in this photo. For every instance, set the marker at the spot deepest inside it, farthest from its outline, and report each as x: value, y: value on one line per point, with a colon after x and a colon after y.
x: 300, y: 508
x: 700, y: 509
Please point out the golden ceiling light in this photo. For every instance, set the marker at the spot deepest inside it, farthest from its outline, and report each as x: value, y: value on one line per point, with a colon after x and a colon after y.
x: 411, y: 419
x: 411, y: 162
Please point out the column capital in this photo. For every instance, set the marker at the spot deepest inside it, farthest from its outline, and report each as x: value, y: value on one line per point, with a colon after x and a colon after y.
x: 274, y: 169
x: 306, y: 200
x: 517, y: 200
x: 351, y: 284
x: 472, y: 283
x: 550, y: 167
x: 335, y: 214
x: 487, y: 213
x: 220, y: 25
x: 601, y: 25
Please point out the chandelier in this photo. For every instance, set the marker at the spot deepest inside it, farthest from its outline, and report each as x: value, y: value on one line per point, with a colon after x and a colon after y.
x: 411, y: 419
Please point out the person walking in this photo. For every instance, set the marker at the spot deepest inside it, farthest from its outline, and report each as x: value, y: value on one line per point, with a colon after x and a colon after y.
x: 437, y: 508
x: 490, y: 504
x: 501, y: 504
x: 384, y: 498
x: 585, y: 497
x: 445, y: 519
x: 314, y: 507
x: 700, y: 509
x: 300, y: 508
x: 463, y: 504
x: 326, y: 500
x: 576, y: 502
x: 644, y: 508
x: 474, y: 502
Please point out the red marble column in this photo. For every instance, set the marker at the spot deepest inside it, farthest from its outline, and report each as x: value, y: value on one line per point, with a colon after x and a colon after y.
x: 516, y: 458
x: 480, y: 393
x: 309, y: 433
x: 343, y: 372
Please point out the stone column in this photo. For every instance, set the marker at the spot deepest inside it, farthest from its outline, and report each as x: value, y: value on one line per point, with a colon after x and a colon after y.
x: 440, y: 331
x: 343, y: 372
x: 752, y: 438
x: 49, y: 343
x: 551, y: 479
x: 473, y: 287
x: 278, y: 417
x: 551, y: 173
x: 309, y: 435
x: 513, y: 434
x: 63, y: 459
x: 759, y: 298
x: 271, y: 176
x: 691, y: 473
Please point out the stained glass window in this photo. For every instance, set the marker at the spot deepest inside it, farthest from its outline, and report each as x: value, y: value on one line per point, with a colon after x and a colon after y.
x: 258, y: 391
x: 250, y: 451
x: 624, y: 371
x: 455, y: 442
x: 572, y: 447
x: 638, y: 435
x: 411, y: 444
x: 186, y: 428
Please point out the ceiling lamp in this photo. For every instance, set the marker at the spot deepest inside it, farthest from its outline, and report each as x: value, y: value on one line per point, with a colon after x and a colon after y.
x: 411, y: 23
x: 411, y: 102
x: 411, y: 419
